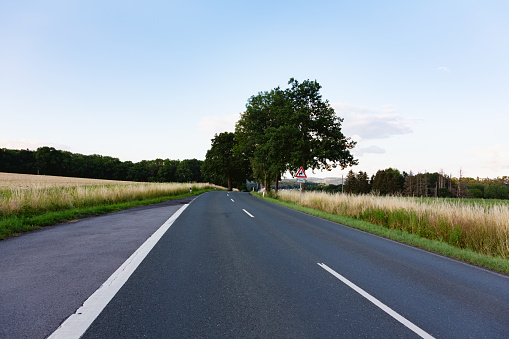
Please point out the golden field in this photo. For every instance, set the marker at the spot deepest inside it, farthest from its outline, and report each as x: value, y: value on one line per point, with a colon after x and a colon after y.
x: 479, y: 225
x: 23, y: 193
x: 14, y: 180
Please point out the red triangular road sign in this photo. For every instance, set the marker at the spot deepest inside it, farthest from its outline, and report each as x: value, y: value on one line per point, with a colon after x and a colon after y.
x: 300, y: 173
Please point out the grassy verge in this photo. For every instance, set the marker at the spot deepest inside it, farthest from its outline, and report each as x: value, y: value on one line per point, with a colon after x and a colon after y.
x: 440, y: 247
x: 13, y: 225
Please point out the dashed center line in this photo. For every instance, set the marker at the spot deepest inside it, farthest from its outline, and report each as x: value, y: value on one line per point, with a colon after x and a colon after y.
x: 252, y: 216
x: 232, y: 200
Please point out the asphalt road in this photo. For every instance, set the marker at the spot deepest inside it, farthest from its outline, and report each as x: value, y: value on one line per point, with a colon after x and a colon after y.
x: 235, y: 266
x: 47, y: 274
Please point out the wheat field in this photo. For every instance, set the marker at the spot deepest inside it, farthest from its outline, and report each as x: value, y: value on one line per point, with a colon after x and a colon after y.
x: 23, y: 193
x: 27, y: 181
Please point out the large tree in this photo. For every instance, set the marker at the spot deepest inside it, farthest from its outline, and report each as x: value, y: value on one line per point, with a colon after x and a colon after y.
x: 357, y: 183
x: 351, y: 184
x: 264, y: 135
x: 388, y: 182
x: 363, y: 181
x: 282, y: 130
x: 225, y: 163
x: 320, y: 143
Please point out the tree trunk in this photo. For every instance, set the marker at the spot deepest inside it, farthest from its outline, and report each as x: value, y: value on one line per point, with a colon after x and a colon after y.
x: 277, y: 183
x: 267, y: 183
x: 230, y: 184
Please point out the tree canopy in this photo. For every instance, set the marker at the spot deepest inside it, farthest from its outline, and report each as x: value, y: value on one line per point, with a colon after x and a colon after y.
x: 319, y: 143
x: 357, y: 183
x: 388, y: 181
x: 224, y: 164
x: 282, y: 130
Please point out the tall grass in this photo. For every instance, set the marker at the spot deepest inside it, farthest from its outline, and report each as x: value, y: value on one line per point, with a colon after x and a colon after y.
x: 38, y: 199
x: 28, y: 202
x: 479, y: 226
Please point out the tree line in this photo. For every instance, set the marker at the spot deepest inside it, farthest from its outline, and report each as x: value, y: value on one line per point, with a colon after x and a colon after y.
x: 280, y: 131
x: 50, y: 161
x: 438, y: 184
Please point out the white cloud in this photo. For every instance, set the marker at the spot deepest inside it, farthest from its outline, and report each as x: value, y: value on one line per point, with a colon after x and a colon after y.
x: 371, y: 123
x: 443, y: 68
x: 215, y: 124
x: 370, y: 149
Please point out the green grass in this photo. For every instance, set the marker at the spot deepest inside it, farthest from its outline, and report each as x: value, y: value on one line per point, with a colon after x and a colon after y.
x: 467, y: 201
x: 13, y: 225
x: 440, y: 247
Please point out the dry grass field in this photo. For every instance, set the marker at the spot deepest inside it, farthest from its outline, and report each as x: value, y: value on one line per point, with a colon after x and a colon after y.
x: 482, y: 226
x: 27, y: 181
x: 22, y: 193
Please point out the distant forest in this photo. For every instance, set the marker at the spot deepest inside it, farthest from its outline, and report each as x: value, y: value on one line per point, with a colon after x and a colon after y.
x: 391, y: 182
x: 50, y: 161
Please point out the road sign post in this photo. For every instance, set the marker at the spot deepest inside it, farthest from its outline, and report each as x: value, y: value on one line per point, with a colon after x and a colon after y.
x: 300, y: 194
x: 300, y: 177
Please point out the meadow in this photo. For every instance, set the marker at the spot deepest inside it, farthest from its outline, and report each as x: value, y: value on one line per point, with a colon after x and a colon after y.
x: 30, y: 201
x: 481, y: 226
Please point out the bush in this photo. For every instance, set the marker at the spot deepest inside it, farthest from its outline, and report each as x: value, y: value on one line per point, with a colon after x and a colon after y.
x: 444, y: 193
x: 476, y: 193
x: 496, y: 192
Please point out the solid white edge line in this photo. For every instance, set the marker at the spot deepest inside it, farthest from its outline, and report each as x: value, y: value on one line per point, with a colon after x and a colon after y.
x: 378, y: 303
x: 76, y: 325
x: 252, y: 216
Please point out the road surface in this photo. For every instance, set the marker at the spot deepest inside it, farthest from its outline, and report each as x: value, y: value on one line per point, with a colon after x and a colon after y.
x: 232, y: 265
x: 47, y: 274
x: 236, y: 266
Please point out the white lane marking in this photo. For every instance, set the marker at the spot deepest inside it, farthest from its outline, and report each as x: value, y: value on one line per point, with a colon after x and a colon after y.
x: 378, y: 303
x: 252, y: 216
x: 77, y: 323
x: 232, y: 200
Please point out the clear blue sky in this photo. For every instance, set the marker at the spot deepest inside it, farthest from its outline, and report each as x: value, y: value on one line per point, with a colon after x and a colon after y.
x: 421, y: 85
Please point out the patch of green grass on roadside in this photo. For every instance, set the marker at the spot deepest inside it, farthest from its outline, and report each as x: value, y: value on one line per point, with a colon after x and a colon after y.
x: 493, y: 263
x: 14, y: 225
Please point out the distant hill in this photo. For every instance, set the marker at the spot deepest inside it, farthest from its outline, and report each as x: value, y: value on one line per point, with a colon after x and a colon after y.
x: 325, y: 181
